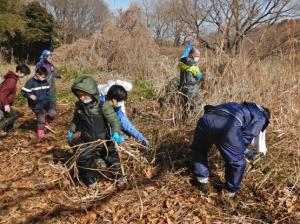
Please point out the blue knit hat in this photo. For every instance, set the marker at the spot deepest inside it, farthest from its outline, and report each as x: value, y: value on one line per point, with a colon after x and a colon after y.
x: 45, y: 54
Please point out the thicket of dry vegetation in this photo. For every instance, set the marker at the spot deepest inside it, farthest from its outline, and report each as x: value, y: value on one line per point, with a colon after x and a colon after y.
x: 34, y: 188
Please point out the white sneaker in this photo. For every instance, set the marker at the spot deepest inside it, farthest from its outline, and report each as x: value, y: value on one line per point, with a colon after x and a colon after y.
x: 228, y: 194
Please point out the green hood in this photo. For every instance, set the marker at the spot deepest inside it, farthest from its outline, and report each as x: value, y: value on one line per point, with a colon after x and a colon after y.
x: 86, y: 84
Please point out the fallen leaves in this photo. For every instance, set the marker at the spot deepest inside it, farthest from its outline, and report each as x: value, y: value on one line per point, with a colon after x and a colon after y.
x: 33, y: 187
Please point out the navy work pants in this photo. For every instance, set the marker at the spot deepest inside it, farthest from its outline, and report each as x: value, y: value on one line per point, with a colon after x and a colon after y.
x: 225, y: 132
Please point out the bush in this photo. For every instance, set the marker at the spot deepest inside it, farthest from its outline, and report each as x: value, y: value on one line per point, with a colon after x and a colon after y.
x: 25, y: 30
x: 142, y: 90
x: 125, y: 46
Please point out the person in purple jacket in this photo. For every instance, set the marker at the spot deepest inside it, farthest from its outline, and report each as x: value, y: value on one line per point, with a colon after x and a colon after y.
x: 45, y: 61
x: 232, y: 127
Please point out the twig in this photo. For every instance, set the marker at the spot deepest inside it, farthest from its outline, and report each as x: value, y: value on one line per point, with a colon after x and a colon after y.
x: 141, y: 201
x: 50, y: 129
x: 121, y: 163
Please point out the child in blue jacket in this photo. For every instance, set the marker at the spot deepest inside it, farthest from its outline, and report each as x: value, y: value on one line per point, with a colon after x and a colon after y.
x: 36, y: 90
x: 128, y: 128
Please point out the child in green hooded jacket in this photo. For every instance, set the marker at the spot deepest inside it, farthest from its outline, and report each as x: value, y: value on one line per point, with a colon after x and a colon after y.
x: 94, y: 120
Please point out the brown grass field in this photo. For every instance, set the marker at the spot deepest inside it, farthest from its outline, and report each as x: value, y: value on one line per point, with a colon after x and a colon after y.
x: 34, y: 188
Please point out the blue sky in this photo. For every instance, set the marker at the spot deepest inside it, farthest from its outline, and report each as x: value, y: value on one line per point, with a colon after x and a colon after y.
x: 117, y: 4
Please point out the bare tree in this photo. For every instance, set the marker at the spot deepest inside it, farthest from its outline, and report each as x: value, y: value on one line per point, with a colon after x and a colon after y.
x: 156, y: 18
x: 178, y: 31
x: 163, y: 19
x: 235, y: 19
x: 215, y: 24
x: 175, y: 20
x: 78, y: 18
x: 193, y: 16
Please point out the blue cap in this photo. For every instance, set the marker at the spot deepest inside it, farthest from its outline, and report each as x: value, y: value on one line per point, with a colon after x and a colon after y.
x: 46, y: 53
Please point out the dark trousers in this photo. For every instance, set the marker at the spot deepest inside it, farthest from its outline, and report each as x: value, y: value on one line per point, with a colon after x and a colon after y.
x: 170, y: 91
x: 8, y: 120
x: 87, y: 162
x: 48, y: 112
x: 225, y: 132
x: 191, y: 98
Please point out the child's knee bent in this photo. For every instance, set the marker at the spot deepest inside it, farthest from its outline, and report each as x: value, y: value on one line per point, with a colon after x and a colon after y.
x: 52, y: 114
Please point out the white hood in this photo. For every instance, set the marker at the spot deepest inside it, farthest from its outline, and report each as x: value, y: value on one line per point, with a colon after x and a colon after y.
x: 103, y: 88
x: 127, y: 85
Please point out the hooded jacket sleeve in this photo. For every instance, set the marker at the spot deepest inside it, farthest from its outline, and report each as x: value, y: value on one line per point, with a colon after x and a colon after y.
x: 189, y: 72
x: 54, y: 72
x: 128, y: 127
x: 187, y: 50
x: 5, y: 91
x: 111, y: 117
x: 37, y: 66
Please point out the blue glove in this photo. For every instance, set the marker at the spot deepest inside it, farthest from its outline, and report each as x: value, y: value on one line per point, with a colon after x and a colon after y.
x: 250, y: 154
x: 102, y: 98
x: 70, y: 135
x: 118, y: 138
x: 187, y: 50
x: 199, y: 76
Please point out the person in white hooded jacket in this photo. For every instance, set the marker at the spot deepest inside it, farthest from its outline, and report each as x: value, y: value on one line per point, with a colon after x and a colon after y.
x: 127, y: 127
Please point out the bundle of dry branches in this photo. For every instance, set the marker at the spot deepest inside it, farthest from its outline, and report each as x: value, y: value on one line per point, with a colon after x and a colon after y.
x: 135, y: 161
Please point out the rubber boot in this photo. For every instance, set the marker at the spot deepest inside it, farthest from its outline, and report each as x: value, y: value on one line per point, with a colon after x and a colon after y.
x: 41, y: 134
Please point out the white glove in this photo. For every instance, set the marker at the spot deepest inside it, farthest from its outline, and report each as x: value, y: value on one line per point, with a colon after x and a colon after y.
x: 259, y: 142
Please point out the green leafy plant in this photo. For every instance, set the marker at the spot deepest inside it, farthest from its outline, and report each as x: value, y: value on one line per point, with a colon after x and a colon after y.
x: 20, y: 100
x: 142, y: 89
x: 71, y: 74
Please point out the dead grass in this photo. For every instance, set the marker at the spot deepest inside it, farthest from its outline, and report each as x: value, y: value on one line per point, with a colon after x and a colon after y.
x: 35, y: 189
x: 125, y: 46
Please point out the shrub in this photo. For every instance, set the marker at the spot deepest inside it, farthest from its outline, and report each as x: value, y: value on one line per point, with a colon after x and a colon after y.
x: 125, y: 46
